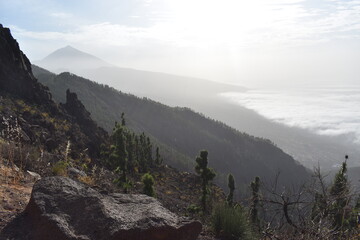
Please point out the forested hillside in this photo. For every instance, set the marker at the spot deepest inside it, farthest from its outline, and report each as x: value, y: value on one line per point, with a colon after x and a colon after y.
x: 182, y: 132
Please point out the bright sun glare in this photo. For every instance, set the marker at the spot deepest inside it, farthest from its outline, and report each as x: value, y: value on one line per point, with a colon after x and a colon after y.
x: 213, y: 22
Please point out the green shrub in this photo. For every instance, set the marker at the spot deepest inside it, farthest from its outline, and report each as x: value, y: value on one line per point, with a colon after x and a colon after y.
x: 193, y: 209
x: 148, y: 182
x: 125, y: 185
x: 230, y: 222
x: 60, y: 168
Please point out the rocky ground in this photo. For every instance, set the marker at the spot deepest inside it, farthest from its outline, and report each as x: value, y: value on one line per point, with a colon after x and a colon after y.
x: 176, y: 190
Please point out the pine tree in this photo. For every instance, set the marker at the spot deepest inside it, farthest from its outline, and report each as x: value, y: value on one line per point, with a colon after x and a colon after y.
x: 320, y: 208
x: 118, y: 154
x: 142, y: 154
x: 130, y: 147
x: 339, y: 192
x: 158, y: 159
x: 137, y: 149
x: 148, y: 150
x: 255, y: 187
x: 148, y: 182
x: 231, y: 185
x: 206, y: 175
x: 123, y: 123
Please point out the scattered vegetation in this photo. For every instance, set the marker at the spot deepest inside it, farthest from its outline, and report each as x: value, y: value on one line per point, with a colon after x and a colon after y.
x: 11, y: 147
x: 180, y: 131
x: 314, y: 211
x: 129, y: 153
x: 322, y: 211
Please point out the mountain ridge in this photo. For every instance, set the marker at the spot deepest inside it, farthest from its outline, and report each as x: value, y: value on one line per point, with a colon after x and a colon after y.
x: 139, y: 82
x: 181, y: 129
x: 203, y: 96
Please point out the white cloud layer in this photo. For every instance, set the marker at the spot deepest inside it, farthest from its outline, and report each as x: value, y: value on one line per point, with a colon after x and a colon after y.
x: 325, y: 111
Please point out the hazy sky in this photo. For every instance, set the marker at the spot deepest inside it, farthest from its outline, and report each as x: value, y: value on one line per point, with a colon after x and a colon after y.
x: 252, y: 43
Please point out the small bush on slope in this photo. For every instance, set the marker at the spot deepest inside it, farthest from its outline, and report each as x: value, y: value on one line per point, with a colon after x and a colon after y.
x: 231, y: 223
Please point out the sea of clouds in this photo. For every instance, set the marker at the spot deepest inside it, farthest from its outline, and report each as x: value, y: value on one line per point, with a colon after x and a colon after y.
x: 325, y: 111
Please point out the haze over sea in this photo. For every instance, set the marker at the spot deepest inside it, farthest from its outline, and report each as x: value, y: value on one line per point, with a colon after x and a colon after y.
x: 333, y: 111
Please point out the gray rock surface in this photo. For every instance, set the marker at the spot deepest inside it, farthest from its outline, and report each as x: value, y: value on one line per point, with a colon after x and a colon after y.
x: 61, y: 208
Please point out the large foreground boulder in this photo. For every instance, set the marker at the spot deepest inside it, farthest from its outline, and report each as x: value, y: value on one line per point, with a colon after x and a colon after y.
x: 61, y: 209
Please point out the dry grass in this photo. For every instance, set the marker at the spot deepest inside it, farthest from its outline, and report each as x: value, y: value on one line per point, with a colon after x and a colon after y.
x: 11, y: 148
x: 14, y: 193
x: 89, y: 180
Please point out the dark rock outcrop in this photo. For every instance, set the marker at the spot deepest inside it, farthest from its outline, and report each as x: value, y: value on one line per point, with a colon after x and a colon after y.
x: 75, y: 107
x: 95, y: 134
x: 61, y: 209
x: 14, y: 65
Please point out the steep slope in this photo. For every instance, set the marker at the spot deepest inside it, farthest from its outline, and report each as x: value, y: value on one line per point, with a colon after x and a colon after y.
x: 183, y: 130
x: 310, y: 149
x: 27, y: 105
x: 15, y: 72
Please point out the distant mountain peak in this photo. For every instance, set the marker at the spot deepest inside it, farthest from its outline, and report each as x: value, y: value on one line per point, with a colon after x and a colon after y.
x: 69, y: 47
x: 69, y: 52
x: 69, y: 57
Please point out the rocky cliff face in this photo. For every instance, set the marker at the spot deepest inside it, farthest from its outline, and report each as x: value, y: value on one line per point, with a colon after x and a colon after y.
x: 15, y: 72
x: 77, y: 110
x: 27, y: 103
